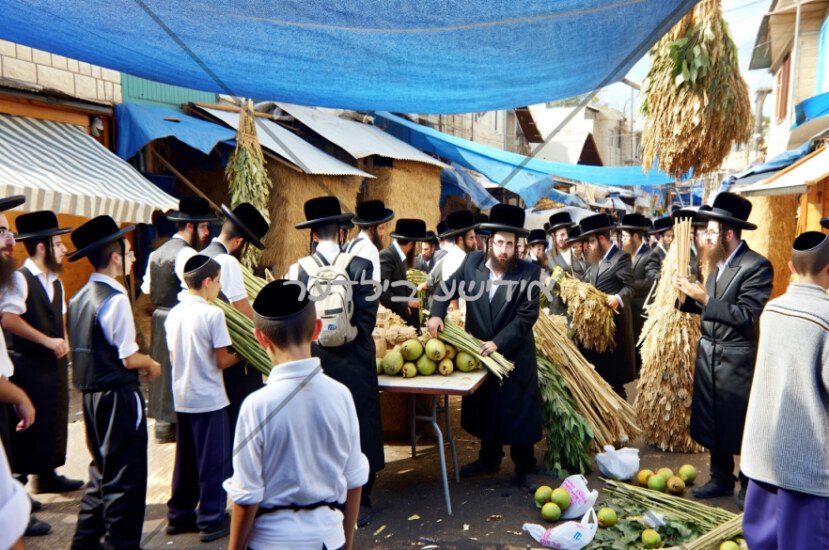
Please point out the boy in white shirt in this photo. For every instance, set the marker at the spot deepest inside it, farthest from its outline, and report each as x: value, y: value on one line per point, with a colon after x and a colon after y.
x: 298, y: 468
x: 198, y: 341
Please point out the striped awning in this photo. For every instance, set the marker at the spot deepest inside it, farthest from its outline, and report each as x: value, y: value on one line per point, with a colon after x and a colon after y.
x: 60, y: 167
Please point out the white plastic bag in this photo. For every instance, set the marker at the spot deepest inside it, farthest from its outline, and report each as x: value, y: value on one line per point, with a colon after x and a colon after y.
x: 581, y: 497
x: 621, y: 464
x: 573, y: 535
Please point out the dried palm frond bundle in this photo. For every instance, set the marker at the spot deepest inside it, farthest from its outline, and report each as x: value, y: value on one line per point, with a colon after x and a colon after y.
x: 568, y: 433
x: 668, y: 347
x: 591, y: 319
x: 610, y: 417
x: 497, y: 364
x: 695, y: 101
x: 246, y: 175
x: 546, y: 203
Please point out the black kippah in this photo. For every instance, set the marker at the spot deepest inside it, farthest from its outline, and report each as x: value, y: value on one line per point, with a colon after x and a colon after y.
x: 195, y: 263
x: 281, y: 299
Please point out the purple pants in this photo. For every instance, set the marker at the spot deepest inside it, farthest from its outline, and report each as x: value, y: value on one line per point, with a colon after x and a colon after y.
x: 203, y: 445
x: 778, y: 518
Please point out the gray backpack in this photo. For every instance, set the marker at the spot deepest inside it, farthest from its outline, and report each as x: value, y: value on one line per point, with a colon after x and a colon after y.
x: 329, y: 285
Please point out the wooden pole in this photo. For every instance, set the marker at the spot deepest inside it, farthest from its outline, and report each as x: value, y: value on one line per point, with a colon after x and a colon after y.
x: 187, y: 182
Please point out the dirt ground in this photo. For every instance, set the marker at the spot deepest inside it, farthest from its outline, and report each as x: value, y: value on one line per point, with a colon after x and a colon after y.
x: 408, y: 498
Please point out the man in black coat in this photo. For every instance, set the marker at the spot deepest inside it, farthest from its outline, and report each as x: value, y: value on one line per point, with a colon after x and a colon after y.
x: 351, y: 364
x: 508, y: 412
x: 395, y: 260
x: 610, y: 272
x: 634, y: 228
x: 663, y: 231
x: 730, y: 303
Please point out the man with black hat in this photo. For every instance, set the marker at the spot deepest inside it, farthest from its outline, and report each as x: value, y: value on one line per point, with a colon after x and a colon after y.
x: 33, y: 312
x: 349, y: 361
x: 560, y: 253
x: 730, y: 303
x: 634, y: 227
x: 501, y: 412
x: 663, y: 232
x: 481, y: 235
x: 537, y: 249
x: 426, y: 260
x: 163, y: 281
x: 105, y: 368
x: 371, y: 218
x: 578, y: 264
x: 460, y: 227
x: 611, y: 273
x: 243, y: 226
x: 395, y: 260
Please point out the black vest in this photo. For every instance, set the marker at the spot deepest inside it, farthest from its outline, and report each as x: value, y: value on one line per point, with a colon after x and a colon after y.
x: 212, y: 250
x: 41, y: 314
x: 164, y: 283
x: 95, y: 362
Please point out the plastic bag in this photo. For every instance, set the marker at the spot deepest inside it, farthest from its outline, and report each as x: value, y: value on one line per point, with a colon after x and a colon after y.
x: 573, y: 535
x: 621, y: 464
x: 581, y: 497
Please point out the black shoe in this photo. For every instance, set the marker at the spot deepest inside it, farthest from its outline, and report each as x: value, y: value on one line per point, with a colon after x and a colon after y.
x: 216, y: 530
x: 165, y: 432
x: 521, y: 481
x: 36, y: 528
x: 714, y: 488
x: 181, y: 527
x: 478, y: 468
x: 55, y: 483
x: 741, y: 497
x: 36, y: 504
x: 365, y: 516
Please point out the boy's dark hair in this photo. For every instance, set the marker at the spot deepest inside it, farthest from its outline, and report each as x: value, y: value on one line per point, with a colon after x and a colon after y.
x: 195, y: 279
x: 289, y: 331
x: 100, y: 258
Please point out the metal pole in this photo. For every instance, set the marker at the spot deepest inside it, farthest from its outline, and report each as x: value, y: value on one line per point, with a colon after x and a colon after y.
x: 794, y: 60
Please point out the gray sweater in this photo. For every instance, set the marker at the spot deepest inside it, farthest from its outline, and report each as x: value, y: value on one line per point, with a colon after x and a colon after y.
x: 786, y: 438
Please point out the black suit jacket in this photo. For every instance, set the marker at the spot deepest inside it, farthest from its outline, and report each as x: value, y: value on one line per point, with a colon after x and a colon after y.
x: 393, y: 269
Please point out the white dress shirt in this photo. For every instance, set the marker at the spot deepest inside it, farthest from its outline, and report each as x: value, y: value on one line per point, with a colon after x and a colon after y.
x: 297, y: 447
x: 115, y: 316
x: 15, y: 296
x: 492, y: 279
x: 327, y: 249
x: 452, y: 261
x: 181, y: 258
x: 362, y: 247
x: 231, y: 277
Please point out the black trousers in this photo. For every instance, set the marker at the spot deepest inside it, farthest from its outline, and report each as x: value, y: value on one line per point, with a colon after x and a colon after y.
x: 523, y: 456
x: 722, y: 469
x: 241, y: 380
x: 113, y: 504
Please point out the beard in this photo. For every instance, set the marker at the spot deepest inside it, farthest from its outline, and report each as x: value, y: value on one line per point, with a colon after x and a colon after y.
x: 239, y: 252
x: 713, y: 255
x: 8, y: 265
x: 505, y: 266
x: 630, y: 247
x: 196, y: 243
x: 376, y: 240
x: 410, y: 257
x: 593, y: 255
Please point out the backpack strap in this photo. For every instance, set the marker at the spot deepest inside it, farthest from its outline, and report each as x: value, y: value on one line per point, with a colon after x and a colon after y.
x: 353, y: 243
x: 310, y: 265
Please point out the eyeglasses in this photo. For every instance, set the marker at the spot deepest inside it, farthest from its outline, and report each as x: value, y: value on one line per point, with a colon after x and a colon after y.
x: 5, y: 233
x: 130, y: 255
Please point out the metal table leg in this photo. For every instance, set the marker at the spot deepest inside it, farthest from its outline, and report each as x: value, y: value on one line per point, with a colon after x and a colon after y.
x: 450, y: 438
x: 413, y: 427
x: 433, y: 420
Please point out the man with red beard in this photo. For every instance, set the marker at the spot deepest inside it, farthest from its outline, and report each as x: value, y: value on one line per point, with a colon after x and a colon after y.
x: 501, y: 309
x: 33, y: 312
x: 730, y: 302
x: 163, y: 281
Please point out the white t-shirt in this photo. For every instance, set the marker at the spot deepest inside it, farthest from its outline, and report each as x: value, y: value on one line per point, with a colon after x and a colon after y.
x: 195, y: 329
x: 307, y: 451
x: 233, y: 282
x: 115, y: 316
x: 364, y: 248
x: 14, y: 298
x: 181, y: 258
x: 452, y: 261
x: 14, y: 505
x: 6, y: 365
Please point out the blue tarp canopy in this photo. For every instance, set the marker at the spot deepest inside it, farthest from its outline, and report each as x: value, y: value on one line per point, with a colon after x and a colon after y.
x: 811, y: 108
x: 762, y: 171
x: 455, y: 181
x: 140, y: 124
x: 532, y: 181
x: 429, y: 56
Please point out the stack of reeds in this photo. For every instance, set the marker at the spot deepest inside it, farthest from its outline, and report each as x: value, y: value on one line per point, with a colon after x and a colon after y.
x: 610, y: 417
x: 417, y: 277
x: 668, y: 348
x: 496, y: 363
x: 241, y: 336
x: 591, y: 319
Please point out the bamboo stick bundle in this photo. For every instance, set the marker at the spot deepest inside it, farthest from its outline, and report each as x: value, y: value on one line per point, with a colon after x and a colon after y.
x: 668, y: 347
x: 418, y: 277
x: 241, y: 335
x: 713, y: 538
x: 591, y: 319
x: 611, y: 418
x: 253, y: 284
x: 463, y: 341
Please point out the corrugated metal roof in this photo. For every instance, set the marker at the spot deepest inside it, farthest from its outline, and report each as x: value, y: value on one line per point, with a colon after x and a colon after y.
x: 794, y: 180
x: 140, y: 90
x: 291, y: 147
x: 359, y: 140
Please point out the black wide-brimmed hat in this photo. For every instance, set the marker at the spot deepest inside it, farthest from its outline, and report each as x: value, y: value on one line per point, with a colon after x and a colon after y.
x: 94, y: 234
x: 249, y: 221
x: 13, y: 201
x: 824, y: 222
x: 431, y: 237
x: 193, y: 210
x: 634, y: 222
x: 596, y: 223
x: 372, y: 213
x: 322, y: 211
x: 559, y: 220
x: 537, y: 236
x: 410, y: 229
x: 729, y: 209
x: 479, y: 219
x: 458, y: 223
x: 661, y: 225
x: 38, y: 225
x: 281, y: 299
x: 687, y: 213
x: 506, y: 217
x: 574, y: 234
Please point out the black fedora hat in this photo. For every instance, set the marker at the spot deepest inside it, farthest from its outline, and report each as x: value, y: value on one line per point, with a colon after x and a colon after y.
x: 13, y: 201
x: 559, y: 220
x: 193, y: 209
x: 824, y: 222
x: 281, y: 299
x: 596, y: 223
x: 537, y: 236
x: 249, y: 221
x: 372, y: 213
x: 687, y: 213
x: 94, y: 234
x: 506, y: 217
x: 409, y: 229
x: 634, y: 222
x: 441, y: 229
x: 38, y: 225
x: 322, y: 211
x: 574, y: 234
x: 661, y: 225
x: 432, y: 237
x: 458, y: 223
x: 729, y: 209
